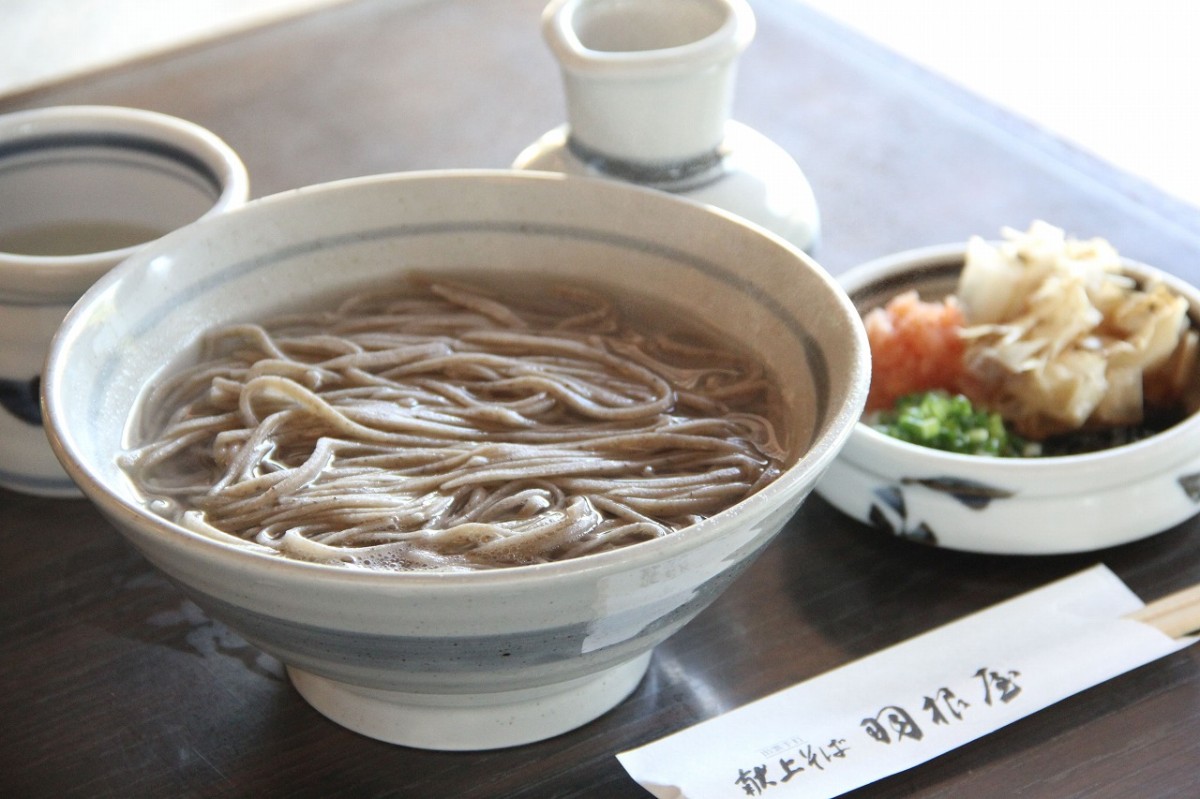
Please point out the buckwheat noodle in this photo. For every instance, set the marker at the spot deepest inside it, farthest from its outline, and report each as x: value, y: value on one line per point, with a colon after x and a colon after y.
x: 445, y: 428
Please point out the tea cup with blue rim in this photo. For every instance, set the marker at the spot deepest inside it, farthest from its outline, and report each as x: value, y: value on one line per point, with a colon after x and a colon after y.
x: 81, y: 189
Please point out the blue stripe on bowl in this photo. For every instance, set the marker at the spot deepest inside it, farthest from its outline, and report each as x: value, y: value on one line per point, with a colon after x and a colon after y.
x: 113, y: 142
x: 20, y: 397
x: 42, y: 486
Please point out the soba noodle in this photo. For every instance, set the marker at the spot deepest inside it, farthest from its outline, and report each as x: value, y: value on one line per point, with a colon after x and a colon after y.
x: 446, y: 428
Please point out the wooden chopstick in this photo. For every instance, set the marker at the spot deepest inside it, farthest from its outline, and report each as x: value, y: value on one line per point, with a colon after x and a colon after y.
x: 1176, y: 614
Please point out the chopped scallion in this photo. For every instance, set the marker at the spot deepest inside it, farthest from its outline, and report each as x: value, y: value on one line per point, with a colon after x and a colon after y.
x: 949, y: 422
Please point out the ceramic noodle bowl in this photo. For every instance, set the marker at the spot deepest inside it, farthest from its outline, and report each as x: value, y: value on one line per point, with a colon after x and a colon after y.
x: 479, y: 659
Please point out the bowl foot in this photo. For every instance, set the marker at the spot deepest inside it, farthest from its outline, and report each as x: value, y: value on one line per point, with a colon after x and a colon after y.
x: 461, y: 722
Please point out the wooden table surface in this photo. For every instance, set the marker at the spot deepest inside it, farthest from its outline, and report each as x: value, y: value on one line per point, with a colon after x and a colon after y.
x: 112, y: 684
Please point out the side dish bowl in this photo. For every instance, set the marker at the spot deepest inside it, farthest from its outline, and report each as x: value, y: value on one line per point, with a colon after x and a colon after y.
x: 458, y: 660
x: 1025, y: 506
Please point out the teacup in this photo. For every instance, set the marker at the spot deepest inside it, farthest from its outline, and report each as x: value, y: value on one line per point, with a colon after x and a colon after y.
x: 81, y: 189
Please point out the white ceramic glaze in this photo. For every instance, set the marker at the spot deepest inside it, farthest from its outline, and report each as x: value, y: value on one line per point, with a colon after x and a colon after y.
x: 1027, y: 506
x: 66, y: 164
x: 458, y: 660
x: 649, y: 88
x: 650, y: 82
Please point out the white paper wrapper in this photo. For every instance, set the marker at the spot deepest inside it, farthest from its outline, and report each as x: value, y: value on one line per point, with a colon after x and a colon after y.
x: 908, y: 704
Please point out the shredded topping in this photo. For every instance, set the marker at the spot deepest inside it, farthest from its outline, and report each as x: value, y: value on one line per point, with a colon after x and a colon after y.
x: 1057, y: 337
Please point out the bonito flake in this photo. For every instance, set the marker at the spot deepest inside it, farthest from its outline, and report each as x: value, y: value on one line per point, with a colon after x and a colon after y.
x: 1059, y: 338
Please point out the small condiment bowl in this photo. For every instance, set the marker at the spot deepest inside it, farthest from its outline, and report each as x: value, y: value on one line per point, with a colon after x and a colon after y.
x: 1026, y: 506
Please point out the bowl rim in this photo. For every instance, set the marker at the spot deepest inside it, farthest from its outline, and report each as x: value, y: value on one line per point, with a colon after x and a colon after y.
x: 807, y: 466
x: 108, y: 126
x: 1146, y: 453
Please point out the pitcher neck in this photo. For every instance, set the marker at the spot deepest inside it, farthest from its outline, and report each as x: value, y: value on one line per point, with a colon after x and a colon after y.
x: 648, y: 85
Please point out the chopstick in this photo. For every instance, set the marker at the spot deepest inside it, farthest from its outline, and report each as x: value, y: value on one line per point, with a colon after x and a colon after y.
x: 1176, y: 614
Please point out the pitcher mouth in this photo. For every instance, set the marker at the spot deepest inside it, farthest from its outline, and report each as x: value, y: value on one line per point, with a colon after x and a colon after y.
x: 600, y: 36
